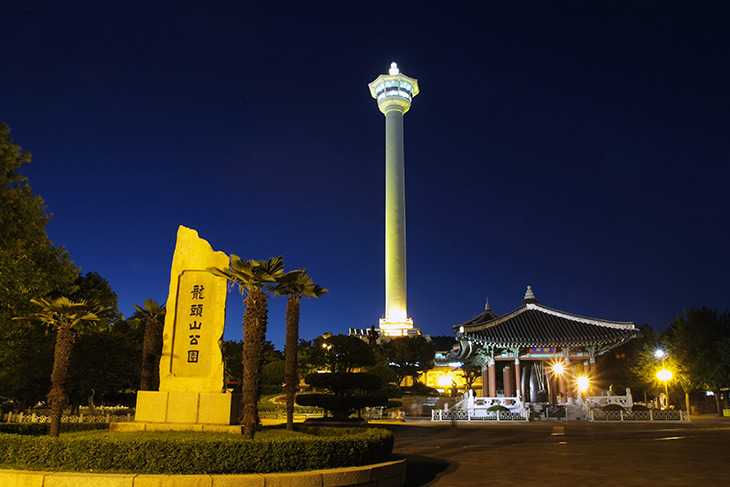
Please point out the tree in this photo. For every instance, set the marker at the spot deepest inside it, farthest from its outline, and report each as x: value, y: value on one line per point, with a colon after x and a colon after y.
x: 103, y: 365
x: 347, y: 392
x: 409, y: 356
x: 30, y: 266
x: 646, y: 365
x: 471, y: 369
x: 151, y: 316
x: 68, y: 319
x: 251, y: 276
x: 233, y: 357
x: 306, y: 357
x: 622, y: 367
x: 294, y: 285
x: 341, y: 353
x: 699, y: 340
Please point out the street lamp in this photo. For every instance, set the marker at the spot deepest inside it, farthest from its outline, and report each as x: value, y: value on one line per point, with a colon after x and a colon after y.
x: 583, y: 383
x: 664, y: 375
x: 660, y: 354
x: 558, y: 368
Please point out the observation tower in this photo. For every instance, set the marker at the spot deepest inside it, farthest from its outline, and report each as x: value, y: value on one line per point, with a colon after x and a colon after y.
x: 394, y: 93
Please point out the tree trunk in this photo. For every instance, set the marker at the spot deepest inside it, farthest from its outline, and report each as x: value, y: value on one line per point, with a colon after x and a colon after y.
x: 686, y: 403
x: 59, y: 376
x: 254, y: 332
x: 150, y: 356
x: 290, y: 365
x: 717, y: 403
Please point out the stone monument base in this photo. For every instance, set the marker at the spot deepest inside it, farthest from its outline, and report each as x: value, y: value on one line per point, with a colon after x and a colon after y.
x: 187, y: 408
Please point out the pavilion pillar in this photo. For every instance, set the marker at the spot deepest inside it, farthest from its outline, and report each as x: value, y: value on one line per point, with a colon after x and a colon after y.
x: 518, y: 377
x: 507, y: 380
x: 492, y: 378
x: 485, y: 381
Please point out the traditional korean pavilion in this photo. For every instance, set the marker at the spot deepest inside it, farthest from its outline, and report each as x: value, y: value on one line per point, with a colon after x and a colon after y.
x: 540, y: 351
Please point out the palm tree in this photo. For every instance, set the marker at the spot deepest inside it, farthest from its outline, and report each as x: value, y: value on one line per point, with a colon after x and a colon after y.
x: 152, y: 316
x: 251, y: 276
x: 68, y: 318
x: 295, y: 285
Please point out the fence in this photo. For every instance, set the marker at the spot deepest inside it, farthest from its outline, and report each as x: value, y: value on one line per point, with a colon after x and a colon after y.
x: 76, y: 418
x: 466, y: 415
x: 627, y: 416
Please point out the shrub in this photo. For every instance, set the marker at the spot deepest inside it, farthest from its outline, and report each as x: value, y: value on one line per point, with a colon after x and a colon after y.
x: 189, y: 453
x: 36, y: 429
x: 497, y: 407
x: 350, y: 392
x: 639, y: 407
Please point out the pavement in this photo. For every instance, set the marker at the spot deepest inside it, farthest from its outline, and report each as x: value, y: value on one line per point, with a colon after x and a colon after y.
x: 565, y: 454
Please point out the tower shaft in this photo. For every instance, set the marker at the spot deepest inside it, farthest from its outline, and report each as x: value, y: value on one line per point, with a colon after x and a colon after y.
x: 395, y: 219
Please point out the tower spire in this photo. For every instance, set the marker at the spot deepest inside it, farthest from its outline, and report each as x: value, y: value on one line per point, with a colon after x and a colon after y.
x: 529, y: 295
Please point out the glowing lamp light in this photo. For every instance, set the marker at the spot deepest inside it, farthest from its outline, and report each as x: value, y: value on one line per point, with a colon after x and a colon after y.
x: 558, y: 368
x: 659, y: 354
x: 583, y: 383
x: 664, y: 375
x: 444, y: 380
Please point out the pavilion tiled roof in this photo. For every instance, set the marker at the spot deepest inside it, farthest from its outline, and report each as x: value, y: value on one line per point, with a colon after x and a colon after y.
x: 535, y: 325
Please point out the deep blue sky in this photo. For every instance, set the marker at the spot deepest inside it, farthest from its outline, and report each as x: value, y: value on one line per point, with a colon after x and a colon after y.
x: 583, y: 150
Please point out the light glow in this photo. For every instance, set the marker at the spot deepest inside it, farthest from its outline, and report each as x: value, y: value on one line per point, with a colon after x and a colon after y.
x: 583, y: 383
x: 659, y: 354
x: 557, y: 368
x: 393, y: 71
x: 664, y: 375
x: 445, y: 380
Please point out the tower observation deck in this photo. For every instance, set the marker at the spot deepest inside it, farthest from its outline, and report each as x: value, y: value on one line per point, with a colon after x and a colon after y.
x: 394, y: 93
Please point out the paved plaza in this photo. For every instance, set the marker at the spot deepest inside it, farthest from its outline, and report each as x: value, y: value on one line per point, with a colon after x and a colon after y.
x: 575, y: 453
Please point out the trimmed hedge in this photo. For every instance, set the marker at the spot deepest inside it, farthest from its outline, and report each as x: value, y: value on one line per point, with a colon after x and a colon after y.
x: 190, y: 453
x: 37, y: 429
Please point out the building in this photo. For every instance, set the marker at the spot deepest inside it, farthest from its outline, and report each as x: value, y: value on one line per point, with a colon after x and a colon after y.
x: 394, y: 93
x: 537, y: 353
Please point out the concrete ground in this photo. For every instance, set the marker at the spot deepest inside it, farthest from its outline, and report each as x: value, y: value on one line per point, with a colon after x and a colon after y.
x: 565, y: 454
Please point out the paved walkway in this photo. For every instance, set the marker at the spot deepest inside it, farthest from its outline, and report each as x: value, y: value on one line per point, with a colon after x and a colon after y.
x: 566, y: 454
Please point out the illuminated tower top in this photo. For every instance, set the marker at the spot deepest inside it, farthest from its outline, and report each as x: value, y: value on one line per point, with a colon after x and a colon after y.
x: 394, y: 91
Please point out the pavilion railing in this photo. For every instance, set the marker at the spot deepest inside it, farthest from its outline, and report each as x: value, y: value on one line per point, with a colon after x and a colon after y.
x: 466, y: 415
x: 628, y: 416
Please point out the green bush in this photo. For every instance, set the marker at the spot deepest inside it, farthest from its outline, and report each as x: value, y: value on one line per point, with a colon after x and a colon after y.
x: 497, y: 407
x: 349, y: 392
x: 36, y: 429
x: 189, y: 453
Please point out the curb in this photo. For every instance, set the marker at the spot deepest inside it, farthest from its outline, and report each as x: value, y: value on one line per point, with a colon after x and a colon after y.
x: 386, y: 474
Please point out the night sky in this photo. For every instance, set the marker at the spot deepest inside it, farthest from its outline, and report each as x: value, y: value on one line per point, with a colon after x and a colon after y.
x: 582, y: 150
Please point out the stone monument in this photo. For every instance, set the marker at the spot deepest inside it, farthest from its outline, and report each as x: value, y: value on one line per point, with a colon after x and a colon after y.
x: 192, y: 394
